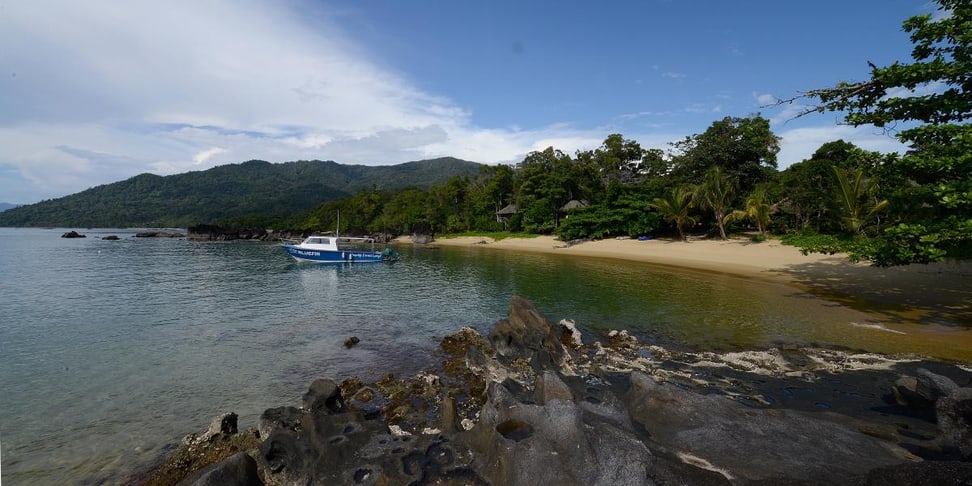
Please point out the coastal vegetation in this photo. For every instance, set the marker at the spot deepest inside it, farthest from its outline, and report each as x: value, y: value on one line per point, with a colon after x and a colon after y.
x: 886, y: 208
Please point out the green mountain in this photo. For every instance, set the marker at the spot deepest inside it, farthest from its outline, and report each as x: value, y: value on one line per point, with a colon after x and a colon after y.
x: 250, y: 193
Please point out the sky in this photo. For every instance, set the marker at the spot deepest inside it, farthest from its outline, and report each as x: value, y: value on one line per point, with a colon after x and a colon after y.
x: 96, y: 92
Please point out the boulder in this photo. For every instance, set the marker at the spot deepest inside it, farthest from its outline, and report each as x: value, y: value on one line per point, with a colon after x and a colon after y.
x: 954, y: 413
x: 351, y: 342
x: 72, y: 234
x: 110, y: 238
x: 527, y: 334
x: 323, y: 396
x: 284, y: 418
x: 931, y: 386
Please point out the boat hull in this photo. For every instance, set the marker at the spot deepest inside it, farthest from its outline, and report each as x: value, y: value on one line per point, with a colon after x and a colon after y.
x: 331, y: 256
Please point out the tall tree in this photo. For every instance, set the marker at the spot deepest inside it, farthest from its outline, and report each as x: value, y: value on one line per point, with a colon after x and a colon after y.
x: 745, y: 148
x: 716, y: 193
x: 759, y: 209
x: 932, y: 97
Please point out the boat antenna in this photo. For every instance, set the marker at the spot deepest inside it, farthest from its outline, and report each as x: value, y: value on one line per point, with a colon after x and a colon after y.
x: 337, y: 232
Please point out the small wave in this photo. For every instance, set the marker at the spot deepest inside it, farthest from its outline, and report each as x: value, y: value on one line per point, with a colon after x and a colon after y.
x: 877, y: 326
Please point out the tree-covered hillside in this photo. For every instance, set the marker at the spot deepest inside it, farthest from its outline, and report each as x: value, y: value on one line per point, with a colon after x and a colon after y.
x: 254, y: 193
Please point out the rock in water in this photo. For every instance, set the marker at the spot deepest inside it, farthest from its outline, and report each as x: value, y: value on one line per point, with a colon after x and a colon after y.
x: 527, y: 334
x: 351, y: 341
x: 72, y: 234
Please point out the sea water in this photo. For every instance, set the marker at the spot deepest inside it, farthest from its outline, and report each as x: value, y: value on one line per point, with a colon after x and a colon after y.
x: 111, y: 351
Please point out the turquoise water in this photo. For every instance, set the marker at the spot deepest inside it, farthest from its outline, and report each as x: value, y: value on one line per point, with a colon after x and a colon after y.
x: 111, y: 351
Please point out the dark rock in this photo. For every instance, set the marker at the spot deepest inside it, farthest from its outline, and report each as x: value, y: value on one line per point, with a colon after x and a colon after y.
x: 550, y: 387
x: 238, y: 470
x: 521, y: 443
x: 286, y: 418
x: 72, y: 234
x: 932, y: 386
x: 110, y: 238
x: 526, y: 333
x: 906, y: 394
x: 449, y: 421
x: 323, y: 396
x: 753, y: 444
x: 954, y: 412
x: 159, y: 234
x: 926, y: 473
x: 225, y: 424
x: 351, y: 341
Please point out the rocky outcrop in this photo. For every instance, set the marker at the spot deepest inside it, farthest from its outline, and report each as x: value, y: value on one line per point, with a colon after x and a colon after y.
x: 159, y: 234
x: 73, y: 234
x: 207, y: 232
x: 939, y: 397
x: 520, y: 407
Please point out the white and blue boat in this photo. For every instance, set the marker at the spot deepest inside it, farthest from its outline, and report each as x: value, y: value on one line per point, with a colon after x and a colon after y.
x: 335, y: 249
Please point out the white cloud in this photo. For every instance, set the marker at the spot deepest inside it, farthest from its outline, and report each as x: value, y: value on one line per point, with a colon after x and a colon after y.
x: 207, y: 154
x: 672, y: 75
x: 800, y: 143
x: 130, y: 87
x: 764, y: 99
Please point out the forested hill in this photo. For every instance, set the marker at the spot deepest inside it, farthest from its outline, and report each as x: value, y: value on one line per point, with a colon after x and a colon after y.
x: 253, y: 193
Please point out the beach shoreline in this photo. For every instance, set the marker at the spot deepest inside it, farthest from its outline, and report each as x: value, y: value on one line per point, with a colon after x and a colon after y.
x: 940, y: 292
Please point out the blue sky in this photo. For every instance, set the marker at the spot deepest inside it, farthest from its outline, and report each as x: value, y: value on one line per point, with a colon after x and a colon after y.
x: 96, y: 92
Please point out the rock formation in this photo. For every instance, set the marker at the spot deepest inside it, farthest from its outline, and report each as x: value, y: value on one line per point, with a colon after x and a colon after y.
x: 520, y: 407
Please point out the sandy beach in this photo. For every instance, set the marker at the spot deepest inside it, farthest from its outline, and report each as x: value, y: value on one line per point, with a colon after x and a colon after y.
x: 939, y: 291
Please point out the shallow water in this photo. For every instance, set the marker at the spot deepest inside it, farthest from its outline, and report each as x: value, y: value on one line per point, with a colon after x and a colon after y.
x: 110, y: 351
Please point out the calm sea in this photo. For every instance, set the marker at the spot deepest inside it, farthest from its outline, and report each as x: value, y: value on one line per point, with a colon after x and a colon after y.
x: 111, y: 351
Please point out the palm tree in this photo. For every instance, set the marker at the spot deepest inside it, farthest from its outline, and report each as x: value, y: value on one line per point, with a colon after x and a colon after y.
x: 675, y: 206
x: 856, y: 199
x: 758, y: 209
x: 715, y: 193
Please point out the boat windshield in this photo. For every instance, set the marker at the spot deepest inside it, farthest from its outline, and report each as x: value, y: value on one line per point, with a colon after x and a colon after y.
x: 318, y: 241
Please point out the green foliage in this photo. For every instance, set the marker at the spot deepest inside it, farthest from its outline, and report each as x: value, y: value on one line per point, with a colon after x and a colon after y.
x: 675, y: 207
x: 758, y: 209
x: 624, y: 212
x: 254, y: 192
x: 716, y: 194
x: 744, y: 148
x: 932, y: 97
x: 856, y: 198
x: 812, y: 242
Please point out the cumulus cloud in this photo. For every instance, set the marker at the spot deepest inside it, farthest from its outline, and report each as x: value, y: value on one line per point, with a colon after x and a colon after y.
x: 798, y: 144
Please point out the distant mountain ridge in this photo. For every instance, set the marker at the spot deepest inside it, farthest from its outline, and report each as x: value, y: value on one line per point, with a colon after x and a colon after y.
x: 234, y: 192
x: 5, y: 206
